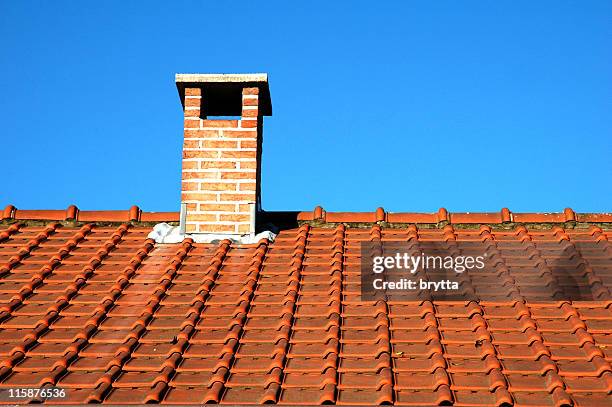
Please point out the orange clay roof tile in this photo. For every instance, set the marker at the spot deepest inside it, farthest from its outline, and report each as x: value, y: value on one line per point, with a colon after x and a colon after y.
x: 112, y: 317
x: 74, y: 214
x: 320, y: 215
x: 444, y: 216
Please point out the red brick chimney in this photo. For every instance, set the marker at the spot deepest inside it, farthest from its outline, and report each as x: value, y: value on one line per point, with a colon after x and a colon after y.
x: 220, y: 191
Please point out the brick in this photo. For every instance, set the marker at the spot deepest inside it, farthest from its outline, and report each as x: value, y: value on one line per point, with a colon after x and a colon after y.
x: 192, y: 124
x: 249, y: 112
x: 242, y: 229
x: 189, y: 186
x: 241, y: 133
x: 192, y: 133
x: 217, y: 164
x: 218, y: 207
x: 235, y: 218
x: 237, y: 197
x: 238, y: 154
x: 220, y: 123
x: 200, y: 175
x: 192, y: 113
x: 250, y: 102
x: 251, y: 165
x: 190, y: 227
x: 244, y: 208
x: 217, y: 228
x: 192, y: 206
x: 247, y: 186
x: 193, y: 102
x: 193, y: 92
x: 190, y: 165
x: 191, y: 144
x: 248, y: 144
x: 238, y: 175
x: 195, y: 196
x: 217, y: 186
x: 250, y: 91
x: 200, y: 154
x: 248, y: 123
x: 201, y: 217
x: 219, y: 144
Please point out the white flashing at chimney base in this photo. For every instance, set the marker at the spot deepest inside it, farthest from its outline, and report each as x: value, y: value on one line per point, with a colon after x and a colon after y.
x: 164, y: 233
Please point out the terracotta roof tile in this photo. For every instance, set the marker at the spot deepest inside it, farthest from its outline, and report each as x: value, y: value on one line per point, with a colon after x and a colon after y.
x: 319, y: 215
x: 72, y: 213
x: 112, y: 317
x: 444, y: 216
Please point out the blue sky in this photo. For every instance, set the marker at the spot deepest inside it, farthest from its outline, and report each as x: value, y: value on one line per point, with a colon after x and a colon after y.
x: 410, y: 106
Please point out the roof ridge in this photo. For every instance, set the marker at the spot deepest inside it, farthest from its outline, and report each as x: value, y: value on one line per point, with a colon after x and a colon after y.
x: 443, y: 216
x: 73, y: 213
x: 320, y: 216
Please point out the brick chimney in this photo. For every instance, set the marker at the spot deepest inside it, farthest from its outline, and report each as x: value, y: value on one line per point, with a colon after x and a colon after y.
x: 220, y: 189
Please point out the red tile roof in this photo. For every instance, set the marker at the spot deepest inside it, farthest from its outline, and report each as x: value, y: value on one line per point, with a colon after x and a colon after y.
x: 134, y: 214
x: 107, y: 314
x: 503, y: 216
x: 320, y: 215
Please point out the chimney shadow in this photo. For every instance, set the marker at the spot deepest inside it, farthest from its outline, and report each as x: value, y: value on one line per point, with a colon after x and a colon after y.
x: 277, y: 221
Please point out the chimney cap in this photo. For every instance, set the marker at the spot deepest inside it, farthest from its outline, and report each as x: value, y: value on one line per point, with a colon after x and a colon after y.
x: 227, y: 89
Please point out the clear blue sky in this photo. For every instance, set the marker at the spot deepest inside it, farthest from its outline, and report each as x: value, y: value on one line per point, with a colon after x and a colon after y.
x: 468, y: 105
